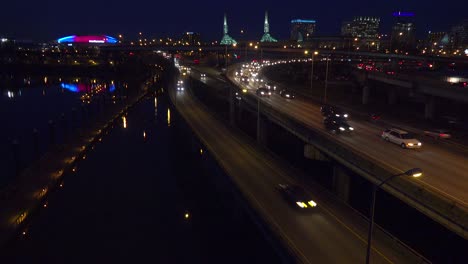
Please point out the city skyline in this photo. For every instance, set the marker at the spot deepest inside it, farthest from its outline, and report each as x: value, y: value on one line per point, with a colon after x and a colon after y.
x: 45, y: 22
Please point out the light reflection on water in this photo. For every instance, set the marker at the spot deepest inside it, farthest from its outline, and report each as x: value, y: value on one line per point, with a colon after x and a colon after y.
x: 168, y: 117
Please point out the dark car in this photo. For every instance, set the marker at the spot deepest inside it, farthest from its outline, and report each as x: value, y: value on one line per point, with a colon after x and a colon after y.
x: 270, y: 86
x: 263, y: 92
x: 296, y: 196
x: 287, y: 94
x: 337, y: 125
x: 333, y: 111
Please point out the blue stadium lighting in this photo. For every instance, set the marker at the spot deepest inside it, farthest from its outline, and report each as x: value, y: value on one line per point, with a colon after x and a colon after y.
x: 302, y: 21
x: 111, y: 40
x: 112, y: 88
x: 66, y: 39
x: 70, y: 87
x: 403, y: 14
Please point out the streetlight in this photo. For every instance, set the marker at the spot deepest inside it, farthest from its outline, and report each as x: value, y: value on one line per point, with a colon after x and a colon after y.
x: 326, y: 81
x: 415, y: 172
x: 312, y: 68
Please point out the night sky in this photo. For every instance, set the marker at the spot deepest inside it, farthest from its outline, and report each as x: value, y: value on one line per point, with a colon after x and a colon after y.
x: 50, y: 19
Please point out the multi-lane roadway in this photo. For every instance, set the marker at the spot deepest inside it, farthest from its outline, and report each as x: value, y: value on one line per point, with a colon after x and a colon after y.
x: 332, y: 233
x: 445, y: 169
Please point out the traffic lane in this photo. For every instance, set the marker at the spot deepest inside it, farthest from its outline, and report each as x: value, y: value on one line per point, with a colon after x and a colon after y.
x: 366, y: 137
x: 332, y: 236
x: 436, y: 162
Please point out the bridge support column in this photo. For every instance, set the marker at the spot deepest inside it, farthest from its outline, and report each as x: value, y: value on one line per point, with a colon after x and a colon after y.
x: 261, y: 126
x: 429, y: 107
x: 313, y: 153
x: 341, y: 182
x: 365, y: 93
x: 392, y: 96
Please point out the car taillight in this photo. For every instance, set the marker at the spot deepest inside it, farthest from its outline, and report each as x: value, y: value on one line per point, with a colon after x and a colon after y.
x: 442, y: 135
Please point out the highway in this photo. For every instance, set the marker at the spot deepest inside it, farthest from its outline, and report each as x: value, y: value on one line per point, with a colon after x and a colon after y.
x: 332, y: 233
x: 445, y: 170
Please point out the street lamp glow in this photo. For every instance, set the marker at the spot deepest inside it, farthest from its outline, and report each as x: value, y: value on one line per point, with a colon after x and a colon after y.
x: 250, y: 44
x: 315, y: 52
x: 415, y: 172
x: 306, y: 52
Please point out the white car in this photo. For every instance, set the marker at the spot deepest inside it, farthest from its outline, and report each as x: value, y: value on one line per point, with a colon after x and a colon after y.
x: 401, y: 138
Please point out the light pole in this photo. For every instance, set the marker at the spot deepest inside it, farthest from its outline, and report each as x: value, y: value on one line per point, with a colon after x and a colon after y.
x: 312, y: 68
x: 326, y: 81
x: 416, y: 172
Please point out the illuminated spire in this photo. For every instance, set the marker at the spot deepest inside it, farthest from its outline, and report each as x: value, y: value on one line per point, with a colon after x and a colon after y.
x: 226, y: 40
x: 225, y: 27
x: 266, y: 30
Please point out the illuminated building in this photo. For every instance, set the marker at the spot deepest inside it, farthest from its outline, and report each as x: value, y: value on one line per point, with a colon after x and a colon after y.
x: 266, y: 31
x: 226, y: 40
x: 302, y: 30
x: 90, y: 40
x: 191, y: 38
x: 403, y: 38
x: 361, y: 27
x: 459, y: 35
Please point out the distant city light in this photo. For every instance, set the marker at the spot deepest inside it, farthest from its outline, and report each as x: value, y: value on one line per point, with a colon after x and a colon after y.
x: 403, y: 14
x: 466, y: 52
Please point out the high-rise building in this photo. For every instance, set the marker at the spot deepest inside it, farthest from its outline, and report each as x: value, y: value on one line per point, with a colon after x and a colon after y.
x: 459, y: 35
x: 266, y: 31
x: 227, y: 40
x: 361, y: 27
x: 191, y: 38
x: 302, y: 30
x: 403, y: 37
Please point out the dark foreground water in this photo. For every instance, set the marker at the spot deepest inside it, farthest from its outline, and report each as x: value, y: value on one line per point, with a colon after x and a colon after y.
x: 30, y: 102
x: 146, y: 194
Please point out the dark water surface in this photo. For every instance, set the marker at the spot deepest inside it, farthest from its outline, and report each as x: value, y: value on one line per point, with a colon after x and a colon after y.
x: 144, y: 195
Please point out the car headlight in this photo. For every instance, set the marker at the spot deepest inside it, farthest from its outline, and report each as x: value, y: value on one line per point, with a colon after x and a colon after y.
x: 244, y: 90
x: 345, y: 115
x: 342, y: 129
x: 287, y: 95
x: 351, y: 128
x: 301, y: 204
x: 419, y: 144
x: 312, y: 203
x: 410, y: 144
x: 269, y: 93
x: 337, y: 115
x: 262, y: 93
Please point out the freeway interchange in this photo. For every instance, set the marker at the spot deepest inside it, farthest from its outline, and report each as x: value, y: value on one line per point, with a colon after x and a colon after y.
x: 444, y: 168
x: 330, y: 233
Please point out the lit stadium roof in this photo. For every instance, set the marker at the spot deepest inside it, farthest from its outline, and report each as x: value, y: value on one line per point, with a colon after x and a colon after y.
x: 302, y: 21
x: 88, y: 39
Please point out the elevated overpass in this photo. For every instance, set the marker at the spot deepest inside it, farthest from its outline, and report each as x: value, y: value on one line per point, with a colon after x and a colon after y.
x: 441, y: 195
x: 331, y: 234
